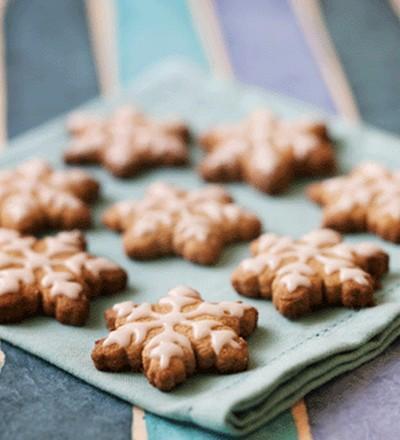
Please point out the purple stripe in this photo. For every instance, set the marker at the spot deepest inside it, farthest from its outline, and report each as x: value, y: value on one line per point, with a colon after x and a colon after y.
x: 361, y: 405
x: 267, y: 48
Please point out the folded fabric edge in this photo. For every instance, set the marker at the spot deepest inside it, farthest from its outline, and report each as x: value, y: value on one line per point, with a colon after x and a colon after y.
x: 243, y: 415
x: 288, y: 395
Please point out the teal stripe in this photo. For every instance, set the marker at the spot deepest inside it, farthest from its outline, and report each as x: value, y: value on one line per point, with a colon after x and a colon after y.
x: 281, y: 428
x: 151, y: 30
x: 367, y: 38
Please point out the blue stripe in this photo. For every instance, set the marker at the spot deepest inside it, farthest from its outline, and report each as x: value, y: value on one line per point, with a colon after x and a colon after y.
x: 151, y: 30
x: 281, y: 428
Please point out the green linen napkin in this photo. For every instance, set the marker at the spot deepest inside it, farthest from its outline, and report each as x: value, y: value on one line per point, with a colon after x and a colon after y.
x: 288, y: 359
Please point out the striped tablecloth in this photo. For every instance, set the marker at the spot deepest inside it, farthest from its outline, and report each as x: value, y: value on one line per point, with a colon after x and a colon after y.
x: 341, y: 55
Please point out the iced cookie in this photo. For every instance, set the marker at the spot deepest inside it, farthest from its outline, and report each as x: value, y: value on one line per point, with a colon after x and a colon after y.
x: 318, y: 270
x: 195, y: 224
x: 126, y: 142
x: 267, y: 152
x: 34, y: 197
x: 367, y: 199
x: 176, y: 337
x: 54, y: 276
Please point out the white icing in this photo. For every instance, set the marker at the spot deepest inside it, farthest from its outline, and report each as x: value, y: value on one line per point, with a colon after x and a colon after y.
x: 370, y: 187
x: 184, y: 291
x: 366, y: 249
x: 57, y: 268
x: 124, y: 308
x: 151, y: 222
x: 265, y: 139
x: 125, y: 137
x: 354, y: 274
x: 202, y: 318
x: 294, y: 280
x: 191, y: 227
x: 264, y: 159
x: 35, y: 188
x: 291, y: 262
x: 180, y: 215
x: 322, y: 237
x: 232, y: 212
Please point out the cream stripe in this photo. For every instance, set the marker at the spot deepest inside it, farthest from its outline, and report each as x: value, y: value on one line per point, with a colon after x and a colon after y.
x: 206, y: 22
x: 300, y: 416
x: 310, y: 18
x: 3, y: 86
x: 101, y: 17
x: 395, y: 5
x: 2, y: 359
x: 139, y: 431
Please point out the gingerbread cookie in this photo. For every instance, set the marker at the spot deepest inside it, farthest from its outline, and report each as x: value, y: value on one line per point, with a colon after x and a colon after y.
x: 176, y: 337
x: 194, y: 224
x: 367, y: 199
x: 126, y: 142
x: 267, y: 152
x: 34, y: 196
x: 53, y: 275
x: 317, y: 270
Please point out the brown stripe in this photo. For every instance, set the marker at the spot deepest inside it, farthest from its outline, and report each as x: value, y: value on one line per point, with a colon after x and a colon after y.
x: 300, y: 416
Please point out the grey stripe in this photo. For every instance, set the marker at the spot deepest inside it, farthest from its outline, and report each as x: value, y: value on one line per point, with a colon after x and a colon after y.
x: 49, y: 63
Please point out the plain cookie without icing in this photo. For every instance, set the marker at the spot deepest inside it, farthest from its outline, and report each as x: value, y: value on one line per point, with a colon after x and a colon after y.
x: 317, y: 270
x: 127, y: 142
x: 367, y: 199
x: 54, y: 276
x: 169, y: 220
x: 176, y: 337
x: 267, y: 152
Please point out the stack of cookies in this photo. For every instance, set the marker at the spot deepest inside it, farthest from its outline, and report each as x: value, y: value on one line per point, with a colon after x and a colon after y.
x: 182, y: 334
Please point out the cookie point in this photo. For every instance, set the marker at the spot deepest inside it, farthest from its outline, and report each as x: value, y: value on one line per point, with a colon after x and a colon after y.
x: 184, y: 291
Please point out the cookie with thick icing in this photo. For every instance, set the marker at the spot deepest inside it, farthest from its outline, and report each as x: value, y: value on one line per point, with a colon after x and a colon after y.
x: 317, y: 270
x: 54, y: 276
x: 126, y: 142
x: 195, y: 224
x: 176, y: 337
x: 267, y: 152
x: 34, y: 196
x: 367, y: 199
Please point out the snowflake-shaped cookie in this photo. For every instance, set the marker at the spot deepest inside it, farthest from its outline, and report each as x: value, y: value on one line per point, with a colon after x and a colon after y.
x: 367, y: 199
x: 33, y: 197
x: 267, y: 152
x: 317, y: 270
x: 126, y: 142
x: 194, y: 224
x: 179, y: 335
x: 53, y: 275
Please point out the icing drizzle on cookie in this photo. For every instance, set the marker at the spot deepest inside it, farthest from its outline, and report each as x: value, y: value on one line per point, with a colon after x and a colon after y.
x: 34, y: 190
x: 181, y: 308
x: 55, y: 264
x: 368, y: 186
x: 185, y: 215
x: 293, y: 263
